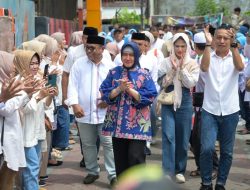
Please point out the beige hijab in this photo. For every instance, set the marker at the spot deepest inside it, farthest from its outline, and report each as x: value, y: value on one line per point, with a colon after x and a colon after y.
x: 76, y: 38
x: 186, y: 60
x: 59, y: 37
x: 35, y: 45
x: 22, y: 61
x: 51, y: 44
x: 6, y: 65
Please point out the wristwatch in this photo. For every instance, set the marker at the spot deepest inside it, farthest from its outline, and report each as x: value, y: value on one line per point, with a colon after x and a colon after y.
x: 234, y: 45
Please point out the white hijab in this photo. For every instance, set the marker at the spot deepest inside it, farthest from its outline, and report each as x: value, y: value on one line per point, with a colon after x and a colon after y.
x: 187, y: 58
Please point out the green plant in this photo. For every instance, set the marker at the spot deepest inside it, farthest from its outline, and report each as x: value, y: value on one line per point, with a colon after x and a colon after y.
x: 208, y: 7
x: 247, y: 13
x: 205, y: 7
x: 223, y: 7
x: 124, y: 16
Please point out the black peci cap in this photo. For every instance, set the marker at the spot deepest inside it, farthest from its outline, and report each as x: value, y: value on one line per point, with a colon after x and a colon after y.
x: 95, y: 40
x: 90, y: 31
x: 138, y: 36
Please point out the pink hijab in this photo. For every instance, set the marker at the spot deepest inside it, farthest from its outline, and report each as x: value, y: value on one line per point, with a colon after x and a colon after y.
x: 6, y: 65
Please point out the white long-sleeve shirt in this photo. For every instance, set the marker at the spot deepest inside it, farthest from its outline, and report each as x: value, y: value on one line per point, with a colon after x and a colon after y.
x: 84, y: 81
x: 13, y: 147
x: 158, y: 44
x: 33, y: 121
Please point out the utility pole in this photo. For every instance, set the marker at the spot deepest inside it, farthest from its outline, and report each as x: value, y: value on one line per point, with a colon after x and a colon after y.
x: 80, y: 14
x: 94, y: 17
x: 142, y: 15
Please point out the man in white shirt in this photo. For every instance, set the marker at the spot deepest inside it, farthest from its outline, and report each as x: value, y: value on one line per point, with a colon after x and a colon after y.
x: 73, y: 55
x: 221, y: 104
x: 118, y: 37
x: 86, y: 76
x: 200, y: 45
x: 158, y: 42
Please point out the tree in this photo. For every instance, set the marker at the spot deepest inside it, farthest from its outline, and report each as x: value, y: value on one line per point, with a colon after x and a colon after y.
x: 223, y: 7
x: 205, y: 7
x: 247, y: 13
x: 124, y: 16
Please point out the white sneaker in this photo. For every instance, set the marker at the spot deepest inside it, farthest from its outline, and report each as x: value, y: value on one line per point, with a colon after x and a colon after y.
x: 180, y: 178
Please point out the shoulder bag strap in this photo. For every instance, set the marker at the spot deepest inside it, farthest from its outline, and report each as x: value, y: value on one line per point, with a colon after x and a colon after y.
x: 2, y: 134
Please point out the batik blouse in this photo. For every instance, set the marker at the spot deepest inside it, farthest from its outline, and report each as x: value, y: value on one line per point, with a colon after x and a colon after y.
x: 125, y: 117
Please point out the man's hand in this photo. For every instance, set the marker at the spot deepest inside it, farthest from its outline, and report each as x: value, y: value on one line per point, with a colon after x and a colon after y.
x: 102, y: 104
x: 231, y: 35
x: 208, y: 36
x: 78, y: 111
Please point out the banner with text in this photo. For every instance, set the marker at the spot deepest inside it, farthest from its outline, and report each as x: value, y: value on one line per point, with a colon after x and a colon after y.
x: 215, y: 20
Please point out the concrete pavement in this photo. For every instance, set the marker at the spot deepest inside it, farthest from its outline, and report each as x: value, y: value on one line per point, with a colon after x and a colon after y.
x: 69, y: 176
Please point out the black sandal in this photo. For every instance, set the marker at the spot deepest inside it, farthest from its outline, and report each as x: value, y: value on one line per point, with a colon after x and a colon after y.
x: 58, y: 163
x: 195, y: 173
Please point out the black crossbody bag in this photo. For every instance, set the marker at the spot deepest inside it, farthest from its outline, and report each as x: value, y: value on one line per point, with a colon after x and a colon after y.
x: 2, y: 136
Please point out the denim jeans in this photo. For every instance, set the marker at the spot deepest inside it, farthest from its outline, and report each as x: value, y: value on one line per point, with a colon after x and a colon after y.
x: 89, y: 134
x: 223, y: 128
x: 31, y: 171
x: 176, y: 130
x: 196, y: 142
x: 60, y: 137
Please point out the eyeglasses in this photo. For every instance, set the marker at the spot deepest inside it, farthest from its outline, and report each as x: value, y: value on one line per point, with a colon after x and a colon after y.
x: 90, y: 48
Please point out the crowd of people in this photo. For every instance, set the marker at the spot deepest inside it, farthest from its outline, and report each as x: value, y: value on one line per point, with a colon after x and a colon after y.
x: 114, y: 88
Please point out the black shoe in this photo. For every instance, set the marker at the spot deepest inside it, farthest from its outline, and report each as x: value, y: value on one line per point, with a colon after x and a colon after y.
x: 82, y: 163
x: 147, y: 151
x: 206, y: 187
x: 42, y: 183
x: 219, y: 187
x: 90, y: 178
x: 44, y: 177
x: 58, y: 163
x: 113, y: 181
x: 214, y: 174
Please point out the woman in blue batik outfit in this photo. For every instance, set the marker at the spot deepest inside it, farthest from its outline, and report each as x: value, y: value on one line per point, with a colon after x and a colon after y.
x: 128, y: 90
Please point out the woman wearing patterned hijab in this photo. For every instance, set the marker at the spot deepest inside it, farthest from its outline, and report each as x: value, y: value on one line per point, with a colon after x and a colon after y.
x: 128, y: 90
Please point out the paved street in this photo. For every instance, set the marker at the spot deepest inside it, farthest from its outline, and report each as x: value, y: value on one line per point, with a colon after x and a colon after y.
x: 69, y: 176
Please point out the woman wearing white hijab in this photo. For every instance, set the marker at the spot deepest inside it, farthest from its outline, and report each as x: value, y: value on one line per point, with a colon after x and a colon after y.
x: 181, y: 74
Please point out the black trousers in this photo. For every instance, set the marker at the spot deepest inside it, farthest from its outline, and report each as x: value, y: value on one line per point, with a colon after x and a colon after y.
x: 244, y: 109
x: 196, y: 141
x: 128, y: 153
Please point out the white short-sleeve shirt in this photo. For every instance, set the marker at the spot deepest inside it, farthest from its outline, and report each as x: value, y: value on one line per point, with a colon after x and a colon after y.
x: 221, y: 86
